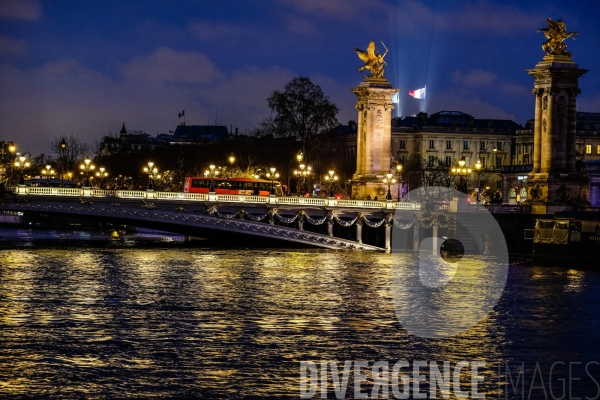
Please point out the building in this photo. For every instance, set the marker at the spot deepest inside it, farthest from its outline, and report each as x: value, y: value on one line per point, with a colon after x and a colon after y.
x: 132, y: 142
x: 587, y: 147
x: 442, y: 138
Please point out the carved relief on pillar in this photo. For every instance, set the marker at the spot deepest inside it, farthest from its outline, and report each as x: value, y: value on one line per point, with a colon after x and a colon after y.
x: 544, y: 125
x: 544, y: 103
x: 378, y: 131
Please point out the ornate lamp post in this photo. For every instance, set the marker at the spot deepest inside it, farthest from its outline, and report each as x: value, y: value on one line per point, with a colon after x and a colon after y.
x: 331, y: 178
x: 211, y: 172
x: 11, y: 149
x: 273, y: 175
x: 388, y: 180
x: 21, y: 164
x: 480, y: 173
x: 231, y: 160
x: 48, y: 171
x: 63, y: 148
x: 304, y: 172
x: 86, y: 167
x: 152, y: 172
x: 101, y: 174
x: 461, y: 172
x: 399, y: 180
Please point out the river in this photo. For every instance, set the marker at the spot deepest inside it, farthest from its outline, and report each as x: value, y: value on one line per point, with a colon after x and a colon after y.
x: 87, y: 318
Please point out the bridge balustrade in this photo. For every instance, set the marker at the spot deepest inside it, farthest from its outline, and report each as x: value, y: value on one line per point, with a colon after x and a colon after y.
x: 211, y: 197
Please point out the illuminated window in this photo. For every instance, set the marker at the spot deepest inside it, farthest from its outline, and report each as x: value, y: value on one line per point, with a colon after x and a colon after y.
x: 598, y: 149
x: 588, y: 149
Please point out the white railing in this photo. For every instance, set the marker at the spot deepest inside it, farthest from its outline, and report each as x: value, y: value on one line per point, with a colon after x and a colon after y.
x: 222, y: 198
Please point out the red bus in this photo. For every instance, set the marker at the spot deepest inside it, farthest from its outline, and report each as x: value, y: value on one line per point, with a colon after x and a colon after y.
x: 243, y: 186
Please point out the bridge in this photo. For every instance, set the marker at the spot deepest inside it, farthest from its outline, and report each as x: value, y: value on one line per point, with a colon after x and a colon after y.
x: 242, y: 219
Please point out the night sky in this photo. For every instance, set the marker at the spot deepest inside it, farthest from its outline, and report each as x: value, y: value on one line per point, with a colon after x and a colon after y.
x: 86, y: 67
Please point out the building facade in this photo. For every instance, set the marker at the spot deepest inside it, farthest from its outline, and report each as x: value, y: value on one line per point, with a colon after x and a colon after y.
x: 587, y: 156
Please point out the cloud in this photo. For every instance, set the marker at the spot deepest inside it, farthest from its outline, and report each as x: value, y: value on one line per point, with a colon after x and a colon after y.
x: 338, y: 9
x: 301, y: 26
x: 514, y: 89
x: 454, y: 101
x: 167, y: 65
x: 28, y: 10
x: 13, y: 46
x: 409, y: 16
x: 475, y: 77
x: 216, y: 31
x: 486, y: 16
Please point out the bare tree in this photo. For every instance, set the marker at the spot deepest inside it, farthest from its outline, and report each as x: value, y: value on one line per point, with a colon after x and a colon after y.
x: 302, y: 109
x: 68, y: 158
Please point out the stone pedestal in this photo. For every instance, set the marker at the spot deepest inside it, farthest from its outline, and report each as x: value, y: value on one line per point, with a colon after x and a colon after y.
x: 373, y: 144
x: 554, y: 183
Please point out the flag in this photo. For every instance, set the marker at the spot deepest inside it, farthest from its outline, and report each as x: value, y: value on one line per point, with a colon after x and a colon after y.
x: 181, y: 114
x: 417, y: 94
x: 396, y: 98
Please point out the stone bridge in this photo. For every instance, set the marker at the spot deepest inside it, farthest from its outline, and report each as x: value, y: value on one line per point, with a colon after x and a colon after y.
x: 242, y: 219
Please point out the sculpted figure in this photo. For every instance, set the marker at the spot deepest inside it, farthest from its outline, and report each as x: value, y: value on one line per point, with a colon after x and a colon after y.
x: 373, y: 60
x: 556, y: 33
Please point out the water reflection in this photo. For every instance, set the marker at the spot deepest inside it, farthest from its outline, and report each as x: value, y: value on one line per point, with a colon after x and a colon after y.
x: 160, y: 322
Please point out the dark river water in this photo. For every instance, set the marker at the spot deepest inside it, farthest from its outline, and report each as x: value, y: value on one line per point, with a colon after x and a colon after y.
x: 124, y: 319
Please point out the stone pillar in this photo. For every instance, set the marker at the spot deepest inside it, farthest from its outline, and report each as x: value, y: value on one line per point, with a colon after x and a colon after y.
x: 389, y: 221
x: 416, y: 242
x: 572, y: 131
x: 374, y: 138
x: 547, y: 131
x: 359, y: 224
x: 537, y: 131
x: 435, y: 237
x: 556, y: 185
x: 330, y: 223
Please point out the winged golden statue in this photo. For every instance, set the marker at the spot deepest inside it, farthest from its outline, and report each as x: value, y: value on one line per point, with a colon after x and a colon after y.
x: 373, y: 60
x: 556, y: 33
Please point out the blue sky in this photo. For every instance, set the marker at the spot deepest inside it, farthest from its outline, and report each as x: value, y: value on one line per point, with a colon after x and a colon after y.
x: 85, y: 67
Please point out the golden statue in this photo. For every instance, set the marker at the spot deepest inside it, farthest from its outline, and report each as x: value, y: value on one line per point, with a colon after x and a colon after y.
x: 373, y: 60
x: 556, y: 33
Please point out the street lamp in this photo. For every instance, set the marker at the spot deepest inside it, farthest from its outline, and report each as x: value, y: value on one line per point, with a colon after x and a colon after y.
x: 273, y: 175
x: 101, y: 174
x: 461, y: 172
x: 212, y: 172
x: 152, y: 172
x: 48, y: 171
x: 63, y: 148
x: 21, y: 164
x: 480, y: 173
x: 304, y: 172
x: 231, y: 160
x: 389, y: 181
x: 399, y: 180
x: 11, y: 149
x: 86, y: 168
x: 331, y: 178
